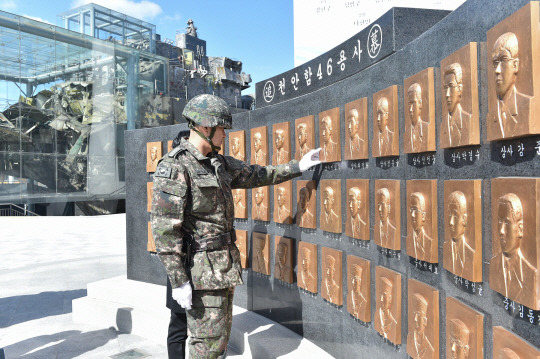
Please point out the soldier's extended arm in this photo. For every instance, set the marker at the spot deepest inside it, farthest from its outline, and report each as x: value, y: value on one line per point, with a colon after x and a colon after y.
x: 249, y: 176
x: 168, y: 204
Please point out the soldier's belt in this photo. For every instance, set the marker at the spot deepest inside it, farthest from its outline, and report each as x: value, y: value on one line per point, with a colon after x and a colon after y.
x: 217, y: 242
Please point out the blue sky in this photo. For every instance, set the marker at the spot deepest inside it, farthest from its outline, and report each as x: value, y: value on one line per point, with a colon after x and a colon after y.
x: 257, y: 32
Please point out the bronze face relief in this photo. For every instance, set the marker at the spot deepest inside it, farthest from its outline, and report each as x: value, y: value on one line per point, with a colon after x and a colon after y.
x: 459, y: 74
x: 330, y: 219
x: 419, y: 112
x: 281, y: 135
x: 283, y: 202
x: 422, y: 220
x: 153, y: 155
x: 356, y: 130
x: 283, y: 263
x: 304, y: 137
x: 241, y: 244
x: 359, y: 288
x: 330, y: 135
x: 307, y: 276
x: 464, y: 331
x: 259, y: 146
x: 237, y: 145
x: 240, y: 202
x: 507, y: 345
x: 462, y: 247
x: 423, y: 333
x: 331, y: 283
x: 259, y: 206
x: 357, y: 223
x: 513, y: 269
x: 261, y: 253
x: 388, y: 304
x: 387, y: 231
x: 513, y: 75
x: 149, y: 194
x: 306, y: 208
x: 385, y: 123
x: 150, y: 245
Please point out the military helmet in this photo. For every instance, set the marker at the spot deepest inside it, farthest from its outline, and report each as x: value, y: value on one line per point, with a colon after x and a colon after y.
x: 208, y: 111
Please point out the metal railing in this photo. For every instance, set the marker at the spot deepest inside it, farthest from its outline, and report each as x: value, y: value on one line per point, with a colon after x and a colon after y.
x: 10, y: 209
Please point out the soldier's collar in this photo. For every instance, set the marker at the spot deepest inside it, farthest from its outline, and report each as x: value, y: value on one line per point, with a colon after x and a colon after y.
x: 185, y: 144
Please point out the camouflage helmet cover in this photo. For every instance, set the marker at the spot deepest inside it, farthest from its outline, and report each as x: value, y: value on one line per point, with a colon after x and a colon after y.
x: 208, y: 111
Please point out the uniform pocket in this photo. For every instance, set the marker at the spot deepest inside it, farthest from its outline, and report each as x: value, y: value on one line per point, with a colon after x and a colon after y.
x: 204, y: 194
x: 208, y: 314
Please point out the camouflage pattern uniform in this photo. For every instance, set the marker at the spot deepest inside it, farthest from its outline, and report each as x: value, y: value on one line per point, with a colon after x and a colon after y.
x: 192, y: 202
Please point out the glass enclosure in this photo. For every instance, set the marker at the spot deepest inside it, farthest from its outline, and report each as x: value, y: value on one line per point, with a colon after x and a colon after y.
x: 66, y: 99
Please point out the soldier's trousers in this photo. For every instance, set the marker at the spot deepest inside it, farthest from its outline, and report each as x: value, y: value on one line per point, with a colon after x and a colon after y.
x: 209, y: 322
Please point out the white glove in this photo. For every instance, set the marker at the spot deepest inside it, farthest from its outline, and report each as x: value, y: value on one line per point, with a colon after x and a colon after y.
x: 183, y: 295
x: 309, y: 160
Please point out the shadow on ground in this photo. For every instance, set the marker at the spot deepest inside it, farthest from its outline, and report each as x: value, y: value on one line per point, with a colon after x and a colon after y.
x: 22, y: 308
x: 66, y: 345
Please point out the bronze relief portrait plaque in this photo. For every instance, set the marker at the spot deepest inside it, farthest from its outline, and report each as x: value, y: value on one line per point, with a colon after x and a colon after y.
x: 281, y: 139
x: 359, y: 287
x: 330, y: 220
x: 240, y: 202
x: 385, y: 123
x: 513, y: 75
x: 462, y: 247
x: 419, y: 112
x: 357, y: 223
x: 283, y: 203
x: 149, y: 194
x: 513, y: 269
x: 261, y: 253
x: 259, y: 204
x: 307, y: 276
x: 423, y: 331
x: 305, y: 136
x: 330, y: 135
x: 332, y: 281
x: 237, y: 145
x: 507, y: 345
x: 259, y: 146
x: 387, y: 229
x: 241, y: 244
x: 464, y: 331
x: 153, y: 155
x: 388, y: 304
x: 460, y: 125
x: 422, y: 217
x: 306, y: 208
x: 356, y: 130
x: 283, y: 263
x: 150, y: 245
x: 169, y: 146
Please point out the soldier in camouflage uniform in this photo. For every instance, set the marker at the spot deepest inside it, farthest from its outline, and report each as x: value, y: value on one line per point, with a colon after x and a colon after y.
x: 192, y: 221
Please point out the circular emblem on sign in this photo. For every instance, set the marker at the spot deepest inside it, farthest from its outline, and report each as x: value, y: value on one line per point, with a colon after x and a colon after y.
x: 268, y: 91
x: 374, y: 41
